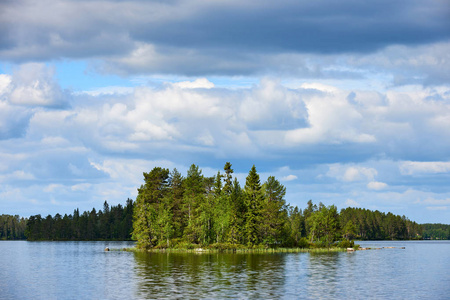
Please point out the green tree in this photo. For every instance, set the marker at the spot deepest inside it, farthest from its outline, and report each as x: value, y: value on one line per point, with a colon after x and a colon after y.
x: 349, y: 230
x: 253, y: 197
x: 150, y: 195
x: 193, y: 200
x: 237, y: 214
x: 297, y: 224
x: 324, y: 225
x: 273, y: 212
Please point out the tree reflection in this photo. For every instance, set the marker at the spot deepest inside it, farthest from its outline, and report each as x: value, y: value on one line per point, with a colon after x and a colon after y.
x: 217, y: 275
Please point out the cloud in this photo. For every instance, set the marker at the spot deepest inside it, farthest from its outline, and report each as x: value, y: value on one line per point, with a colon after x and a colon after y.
x: 31, y: 86
x: 289, y: 178
x: 198, y: 83
x: 433, y: 201
x: 351, y: 173
x: 317, y: 40
x: 437, y: 208
x: 376, y: 185
x: 98, y: 147
x: 421, y: 168
x: 331, y: 119
x: 34, y: 85
x: 18, y: 175
x: 351, y: 203
x: 290, y: 26
x: 13, y: 120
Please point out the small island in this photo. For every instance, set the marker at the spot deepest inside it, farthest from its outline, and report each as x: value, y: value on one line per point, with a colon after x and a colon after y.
x: 216, y: 213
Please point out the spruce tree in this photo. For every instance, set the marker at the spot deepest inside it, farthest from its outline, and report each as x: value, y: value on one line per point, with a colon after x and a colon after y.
x: 253, y: 199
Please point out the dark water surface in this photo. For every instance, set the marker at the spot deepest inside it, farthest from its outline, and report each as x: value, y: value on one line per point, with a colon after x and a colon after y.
x: 83, y: 270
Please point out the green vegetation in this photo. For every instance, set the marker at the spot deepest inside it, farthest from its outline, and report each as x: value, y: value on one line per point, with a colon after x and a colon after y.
x: 216, y: 213
x: 12, y: 227
x: 436, y: 231
x: 113, y: 223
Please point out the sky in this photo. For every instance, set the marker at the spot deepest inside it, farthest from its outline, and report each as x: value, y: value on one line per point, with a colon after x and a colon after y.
x: 344, y: 102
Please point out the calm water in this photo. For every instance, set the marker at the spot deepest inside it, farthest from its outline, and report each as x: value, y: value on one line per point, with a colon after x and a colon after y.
x: 82, y: 270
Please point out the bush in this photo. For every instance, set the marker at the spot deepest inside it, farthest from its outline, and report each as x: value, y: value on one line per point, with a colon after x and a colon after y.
x: 185, y: 245
x: 303, y: 243
x: 345, y: 244
x: 225, y: 246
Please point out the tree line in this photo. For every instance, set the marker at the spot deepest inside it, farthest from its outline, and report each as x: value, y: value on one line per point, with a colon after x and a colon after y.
x: 176, y: 211
x: 12, y: 227
x: 436, y: 231
x: 111, y: 223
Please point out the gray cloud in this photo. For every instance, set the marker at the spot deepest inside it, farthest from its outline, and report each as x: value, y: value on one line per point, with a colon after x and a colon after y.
x: 221, y: 38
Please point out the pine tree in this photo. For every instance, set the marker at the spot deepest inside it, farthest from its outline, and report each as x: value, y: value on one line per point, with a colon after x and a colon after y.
x: 148, y: 202
x: 237, y: 213
x: 253, y: 198
x: 273, y: 212
x: 193, y: 198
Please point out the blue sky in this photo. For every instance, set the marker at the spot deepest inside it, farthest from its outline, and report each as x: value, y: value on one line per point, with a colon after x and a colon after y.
x: 345, y: 102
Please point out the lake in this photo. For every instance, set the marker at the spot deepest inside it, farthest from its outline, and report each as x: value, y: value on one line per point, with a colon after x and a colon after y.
x: 83, y: 270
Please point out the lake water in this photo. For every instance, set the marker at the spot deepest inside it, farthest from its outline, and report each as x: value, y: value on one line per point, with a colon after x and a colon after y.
x: 83, y: 270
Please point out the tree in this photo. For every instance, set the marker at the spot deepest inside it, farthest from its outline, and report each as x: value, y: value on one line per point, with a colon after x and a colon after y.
x: 273, y: 211
x: 146, y: 230
x: 324, y: 225
x: 237, y: 213
x: 297, y: 225
x: 349, y: 230
x: 228, y: 178
x: 193, y: 198
x: 253, y: 198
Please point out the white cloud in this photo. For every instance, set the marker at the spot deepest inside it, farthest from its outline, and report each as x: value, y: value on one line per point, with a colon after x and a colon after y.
x: 332, y: 120
x: 22, y: 175
x: 52, y: 187
x: 33, y: 84
x: 417, y: 168
x: 376, y: 185
x: 289, y: 178
x: 437, y: 207
x: 351, y: 203
x: 81, y: 187
x: 109, y: 140
x: 196, y: 84
x: 18, y: 175
x: 351, y: 173
x: 433, y: 201
x: 109, y: 90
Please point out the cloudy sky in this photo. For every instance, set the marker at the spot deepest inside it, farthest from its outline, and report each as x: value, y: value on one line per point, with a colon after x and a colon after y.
x: 345, y: 102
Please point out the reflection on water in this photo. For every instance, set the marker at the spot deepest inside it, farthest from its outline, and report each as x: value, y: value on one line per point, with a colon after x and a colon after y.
x: 210, y: 275
x: 415, y: 273
x: 322, y: 272
x: 83, y: 270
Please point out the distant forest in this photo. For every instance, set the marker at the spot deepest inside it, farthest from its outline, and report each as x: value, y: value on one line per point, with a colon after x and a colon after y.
x: 436, y: 231
x: 12, y: 227
x: 111, y: 223
x: 173, y: 210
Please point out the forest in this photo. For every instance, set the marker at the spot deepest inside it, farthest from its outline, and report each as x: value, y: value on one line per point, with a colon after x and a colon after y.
x: 436, y: 231
x: 111, y: 223
x: 12, y: 227
x: 176, y: 211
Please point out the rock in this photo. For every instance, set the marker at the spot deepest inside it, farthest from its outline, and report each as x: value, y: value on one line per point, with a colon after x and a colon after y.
x: 350, y: 249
